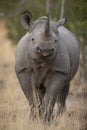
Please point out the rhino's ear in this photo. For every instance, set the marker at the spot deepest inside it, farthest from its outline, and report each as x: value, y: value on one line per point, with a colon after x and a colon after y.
x: 26, y: 19
x: 61, y: 22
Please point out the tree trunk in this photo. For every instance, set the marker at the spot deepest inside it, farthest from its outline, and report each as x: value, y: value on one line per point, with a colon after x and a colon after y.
x: 62, y: 9
x: 48, y: 6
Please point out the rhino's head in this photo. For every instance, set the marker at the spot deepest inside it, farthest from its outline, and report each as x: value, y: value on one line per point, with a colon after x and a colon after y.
x: 43, y: 34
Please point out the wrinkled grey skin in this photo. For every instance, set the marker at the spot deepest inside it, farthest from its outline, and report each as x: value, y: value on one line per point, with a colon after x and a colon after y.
x: 47, y: 59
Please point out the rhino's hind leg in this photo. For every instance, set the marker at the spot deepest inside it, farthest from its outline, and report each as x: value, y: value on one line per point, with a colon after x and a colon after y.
x: 25, y: 82
x: 54, y: 87
x: 61, y: 99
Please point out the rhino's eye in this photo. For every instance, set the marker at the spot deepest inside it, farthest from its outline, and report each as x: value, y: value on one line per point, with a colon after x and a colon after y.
x: 57, y: 32
x: 55, y: 40
x: 32, y: 39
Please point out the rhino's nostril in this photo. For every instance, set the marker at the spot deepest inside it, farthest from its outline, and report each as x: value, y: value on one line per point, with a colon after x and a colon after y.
x: 38, y: 50
x: 52, y: 50
x: 44, y: 52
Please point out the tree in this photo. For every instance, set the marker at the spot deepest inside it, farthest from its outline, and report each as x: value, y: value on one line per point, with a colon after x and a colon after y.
x: 62, y: 9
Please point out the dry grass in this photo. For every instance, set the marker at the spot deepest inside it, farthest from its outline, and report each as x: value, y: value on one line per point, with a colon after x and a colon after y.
x: 14, y: 109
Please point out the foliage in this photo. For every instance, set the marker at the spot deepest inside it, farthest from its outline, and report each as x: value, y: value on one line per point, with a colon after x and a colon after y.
x: 75, y: 11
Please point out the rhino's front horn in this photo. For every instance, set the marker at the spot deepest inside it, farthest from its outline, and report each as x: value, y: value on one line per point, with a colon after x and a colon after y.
x: 47, y: 26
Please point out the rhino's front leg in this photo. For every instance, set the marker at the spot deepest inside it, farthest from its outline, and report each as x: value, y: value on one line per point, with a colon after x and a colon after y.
x: 54, y: 87
x: 25, y: 82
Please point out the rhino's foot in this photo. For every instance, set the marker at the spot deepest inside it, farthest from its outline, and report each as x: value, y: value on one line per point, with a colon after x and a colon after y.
x: 32, y: 116
x: 46, y: 118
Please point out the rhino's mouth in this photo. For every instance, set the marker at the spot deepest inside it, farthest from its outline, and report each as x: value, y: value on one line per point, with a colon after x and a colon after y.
x: 45, y: 53
x: 45, y: 56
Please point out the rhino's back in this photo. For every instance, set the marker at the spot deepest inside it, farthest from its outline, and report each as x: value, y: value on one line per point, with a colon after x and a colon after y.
x: 71, y: 43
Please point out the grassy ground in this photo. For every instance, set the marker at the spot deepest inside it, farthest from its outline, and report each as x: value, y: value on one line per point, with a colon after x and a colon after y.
x: 14, y: 109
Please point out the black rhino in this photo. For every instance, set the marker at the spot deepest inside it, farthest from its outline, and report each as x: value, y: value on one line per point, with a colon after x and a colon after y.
x: 47, y: 59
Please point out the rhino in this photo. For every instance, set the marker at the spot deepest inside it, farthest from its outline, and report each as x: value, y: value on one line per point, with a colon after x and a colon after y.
x: 47, y: 59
